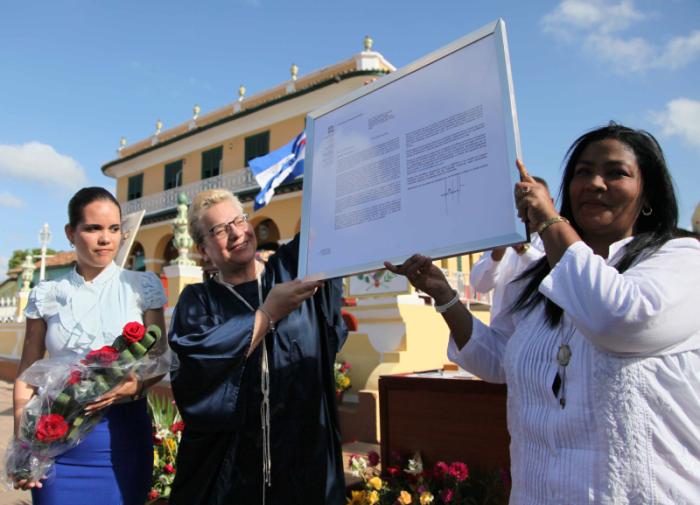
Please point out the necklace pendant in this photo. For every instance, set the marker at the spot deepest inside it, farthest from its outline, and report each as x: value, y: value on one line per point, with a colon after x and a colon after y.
x: 564, y: 354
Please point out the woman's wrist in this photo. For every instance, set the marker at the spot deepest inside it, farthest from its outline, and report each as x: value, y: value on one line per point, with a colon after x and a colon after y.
x: 139, y: 390
x: 444, y: 295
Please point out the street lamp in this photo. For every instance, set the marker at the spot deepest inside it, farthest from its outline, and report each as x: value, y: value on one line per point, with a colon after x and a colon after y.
x: 44, y: 239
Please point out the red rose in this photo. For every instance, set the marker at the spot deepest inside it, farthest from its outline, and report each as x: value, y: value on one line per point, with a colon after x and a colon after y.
x: 75, y: 377
x: 153, y: 494
x: 104, y: 356
x: 459, y: 471
x: 169, y: 468
x: 373, y: 458
x: 447, y: 495
x: 440, y: 469
x: 133, y: 332
x: 393, y: 471
x: 177, y: 427
x: 51, y: 427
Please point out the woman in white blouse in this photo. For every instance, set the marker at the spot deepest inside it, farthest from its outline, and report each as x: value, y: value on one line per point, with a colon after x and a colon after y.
x: 601, y: 346
x: 72, y: 315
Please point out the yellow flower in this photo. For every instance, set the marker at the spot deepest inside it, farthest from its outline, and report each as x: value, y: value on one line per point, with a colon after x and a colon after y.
x: 426, y: 498
x: 170, y: 444
x: 358, y: 498
x: 375, y: 482
x: 404, y: 498
x: 155, y: 457
x: 373, y: 497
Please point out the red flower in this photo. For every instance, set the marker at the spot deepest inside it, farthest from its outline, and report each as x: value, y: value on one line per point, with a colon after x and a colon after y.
x: 441, y: 469
x: 51, y: 427
x: 177, y: 427
x: 352, y: 458
x: 104, y: 356
x: 459, y: 471
x: 75, y: 377
x: 373, y: 458
x: 153, y: 494
x: 169, y: 468
x: 447, y: 495
x: 345, y: 367
x: 393, y: 471
x: 133, y: 332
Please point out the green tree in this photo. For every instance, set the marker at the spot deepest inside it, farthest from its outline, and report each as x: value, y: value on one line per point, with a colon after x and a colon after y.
x: 18, y: 255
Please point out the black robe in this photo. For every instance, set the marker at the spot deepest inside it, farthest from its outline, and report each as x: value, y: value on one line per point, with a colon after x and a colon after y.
x: 218, y: 393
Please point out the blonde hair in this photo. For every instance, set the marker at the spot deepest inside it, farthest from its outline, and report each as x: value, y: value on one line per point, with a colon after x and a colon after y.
x: 201, y: 203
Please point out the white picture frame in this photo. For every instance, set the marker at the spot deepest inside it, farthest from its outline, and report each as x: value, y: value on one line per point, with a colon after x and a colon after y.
x: 421, y: 160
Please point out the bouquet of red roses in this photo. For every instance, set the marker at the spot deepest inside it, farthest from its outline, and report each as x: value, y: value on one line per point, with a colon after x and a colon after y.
x: 54, y: 420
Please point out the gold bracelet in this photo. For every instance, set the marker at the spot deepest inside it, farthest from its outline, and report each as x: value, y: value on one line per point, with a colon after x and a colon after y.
x: 549, y: 222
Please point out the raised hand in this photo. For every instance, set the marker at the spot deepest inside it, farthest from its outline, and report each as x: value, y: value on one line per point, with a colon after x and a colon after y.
x: 288, y: 296
x: 532, y: 199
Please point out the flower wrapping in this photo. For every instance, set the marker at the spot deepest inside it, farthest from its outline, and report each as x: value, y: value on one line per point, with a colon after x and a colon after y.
x: 54, y: 419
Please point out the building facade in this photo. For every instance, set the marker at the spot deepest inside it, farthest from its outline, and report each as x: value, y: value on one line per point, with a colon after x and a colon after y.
x: 212, y: 151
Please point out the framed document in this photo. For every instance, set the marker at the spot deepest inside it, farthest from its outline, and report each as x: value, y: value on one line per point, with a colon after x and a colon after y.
x: 421, y: 160
x: 130, y: 227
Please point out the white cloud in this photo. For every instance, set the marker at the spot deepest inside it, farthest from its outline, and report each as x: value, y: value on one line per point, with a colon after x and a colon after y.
x: 680, y: 51
x: 41, y: 163
x: 625, y: 54
x: 680, y: 118
x: 600, y: 24
x: 9, y: 200
x: 597, y: 15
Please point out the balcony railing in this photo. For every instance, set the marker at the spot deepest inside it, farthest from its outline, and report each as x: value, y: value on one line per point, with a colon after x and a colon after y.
x: 236, y: 181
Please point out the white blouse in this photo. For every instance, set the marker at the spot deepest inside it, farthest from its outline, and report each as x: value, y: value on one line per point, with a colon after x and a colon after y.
x: 81, y: 316
x: 630, y: 430
x: 487, y: 274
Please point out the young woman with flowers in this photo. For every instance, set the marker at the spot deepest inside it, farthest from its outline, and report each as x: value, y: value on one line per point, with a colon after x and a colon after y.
x: 71, y: 316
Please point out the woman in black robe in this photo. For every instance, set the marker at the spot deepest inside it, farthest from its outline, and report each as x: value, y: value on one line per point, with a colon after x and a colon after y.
x: 221, y: 330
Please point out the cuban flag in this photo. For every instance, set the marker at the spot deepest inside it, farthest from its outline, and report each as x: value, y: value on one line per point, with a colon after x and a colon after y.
x: 271, y: 170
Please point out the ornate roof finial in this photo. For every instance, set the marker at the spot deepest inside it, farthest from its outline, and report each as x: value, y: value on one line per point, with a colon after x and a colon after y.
x: 159, y: 126
x: 122, y: 143
x: 368, y: 43
x: 195, y: 111
x: 294, y: 71
x: 241, y: 93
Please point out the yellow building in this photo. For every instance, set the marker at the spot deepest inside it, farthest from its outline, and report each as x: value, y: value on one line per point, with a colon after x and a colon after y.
x: 212, y: 150
x: 396, y: 333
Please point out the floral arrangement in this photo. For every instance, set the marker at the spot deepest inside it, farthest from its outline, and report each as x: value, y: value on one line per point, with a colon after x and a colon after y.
x: 167, y: 432
x: 408, y: 482
x: 54, y: 419
x: 342, y: 379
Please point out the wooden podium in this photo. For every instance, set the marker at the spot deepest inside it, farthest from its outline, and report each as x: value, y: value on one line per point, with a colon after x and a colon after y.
x: 446, y: 417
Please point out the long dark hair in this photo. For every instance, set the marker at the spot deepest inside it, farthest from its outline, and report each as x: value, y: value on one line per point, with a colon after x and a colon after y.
x: 85, y: 197
x: 650, y: 232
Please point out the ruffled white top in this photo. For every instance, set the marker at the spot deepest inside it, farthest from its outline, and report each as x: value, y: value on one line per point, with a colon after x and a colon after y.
x: 630, y: 432
x: 81, y: 316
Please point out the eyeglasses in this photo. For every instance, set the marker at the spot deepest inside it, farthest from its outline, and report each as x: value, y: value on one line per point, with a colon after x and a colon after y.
x: 223, y: 229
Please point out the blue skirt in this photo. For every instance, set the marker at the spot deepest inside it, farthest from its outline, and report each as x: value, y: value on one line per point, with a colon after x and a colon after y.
x: 112, y: 466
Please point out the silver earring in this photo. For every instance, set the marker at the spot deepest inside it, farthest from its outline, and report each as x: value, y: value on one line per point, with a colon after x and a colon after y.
x: 647, y: 210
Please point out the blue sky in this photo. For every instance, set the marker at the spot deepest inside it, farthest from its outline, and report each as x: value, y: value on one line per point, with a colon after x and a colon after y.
x: 77, y: 75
